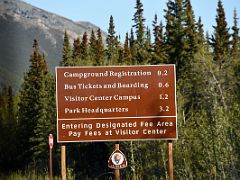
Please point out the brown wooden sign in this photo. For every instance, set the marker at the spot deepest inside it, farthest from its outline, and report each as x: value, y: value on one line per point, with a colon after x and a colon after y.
x: 116, y: 103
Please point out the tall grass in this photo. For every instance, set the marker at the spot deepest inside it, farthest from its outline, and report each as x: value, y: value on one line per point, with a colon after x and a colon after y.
x: 25, y: 176
x: 32, y: 175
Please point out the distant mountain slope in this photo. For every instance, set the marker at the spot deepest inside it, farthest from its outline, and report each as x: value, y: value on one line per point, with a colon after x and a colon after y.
x: 20, y: 23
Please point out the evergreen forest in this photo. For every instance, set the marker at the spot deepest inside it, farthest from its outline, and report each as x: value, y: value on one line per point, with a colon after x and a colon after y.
x: 208, y: 101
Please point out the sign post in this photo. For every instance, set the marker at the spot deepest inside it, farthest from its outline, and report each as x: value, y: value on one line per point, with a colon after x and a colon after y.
x: 170, y: 160
x: 117, y: 161
x: 63, y: 162
x: 117, y: 171
x: 50, y: 141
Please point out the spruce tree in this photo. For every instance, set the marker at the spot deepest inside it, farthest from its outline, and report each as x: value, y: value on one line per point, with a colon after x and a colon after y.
x: 155, y: 33
x: 92, y: 46
x: 10, y: 107
x: 99, y: 56
x: 126, y: 51
x: 118, y: 51
x: 235, y: 37
x: 175, y: 35
x: 33, y: 109
x: 200, y: 36
x: 84, y: 46
x: 120, y: 55
x: 181, y: 41
x: 67, y: 52
x: 76, y: 52
x: 159, y: 50
x: 209, y: 100
x: 46, y: 116
x: 190, y: 31
x: 139, y: 23
x: 208, y: 42
x: 230, y: 74
x: 221, y: 37
x: 8, y: 134
x: 148, y: 44
x: 111, y: 43
x: 133, y: 48
x: 142, y: 41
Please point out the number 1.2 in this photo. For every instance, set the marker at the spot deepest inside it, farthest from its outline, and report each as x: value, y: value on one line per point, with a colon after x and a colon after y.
x: 163, y: 109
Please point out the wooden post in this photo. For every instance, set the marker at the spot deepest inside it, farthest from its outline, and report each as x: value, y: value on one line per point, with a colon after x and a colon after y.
x: 170, y: 160
x: 117, y: 171
x: 50, y: 164
x: 63, y: 162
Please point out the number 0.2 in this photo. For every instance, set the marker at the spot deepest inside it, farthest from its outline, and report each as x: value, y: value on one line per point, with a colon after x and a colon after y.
x: 162, y: 73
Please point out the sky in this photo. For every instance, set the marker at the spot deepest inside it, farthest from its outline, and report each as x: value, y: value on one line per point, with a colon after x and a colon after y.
x: 98, y: 12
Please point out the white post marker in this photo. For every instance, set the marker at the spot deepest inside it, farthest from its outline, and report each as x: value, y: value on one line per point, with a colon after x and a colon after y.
x: 50, y: 140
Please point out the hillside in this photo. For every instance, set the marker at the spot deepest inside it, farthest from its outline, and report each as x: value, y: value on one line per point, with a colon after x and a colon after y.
x: 20, y: 23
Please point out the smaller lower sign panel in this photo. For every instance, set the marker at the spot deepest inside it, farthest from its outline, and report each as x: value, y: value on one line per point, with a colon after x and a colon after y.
x: 116, y: 103
x: 117, y: 160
